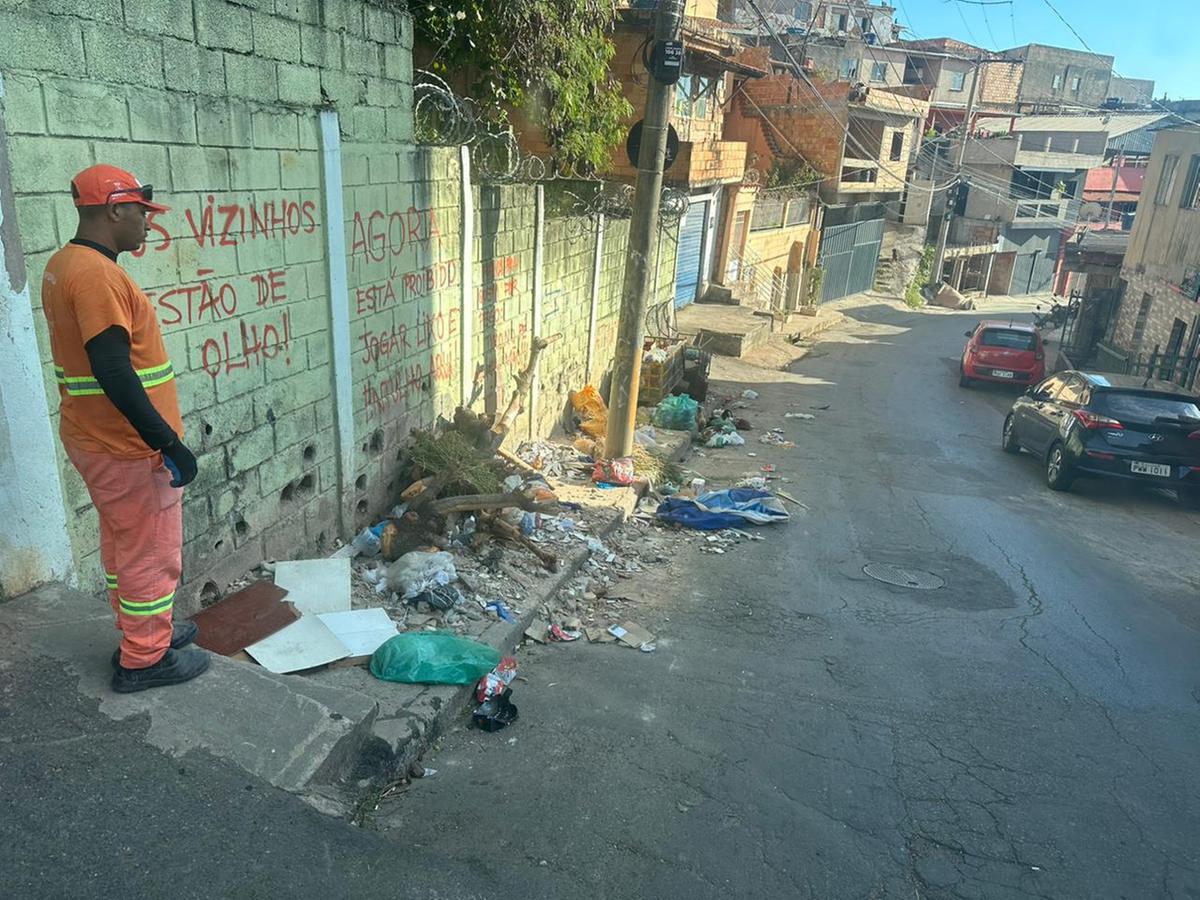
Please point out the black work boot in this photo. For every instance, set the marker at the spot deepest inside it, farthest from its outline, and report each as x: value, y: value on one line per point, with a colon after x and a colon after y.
x: 182, y: 634
x: 176, y: 667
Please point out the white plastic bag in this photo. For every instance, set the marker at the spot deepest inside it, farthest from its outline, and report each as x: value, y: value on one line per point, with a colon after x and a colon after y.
x: 418, y: 571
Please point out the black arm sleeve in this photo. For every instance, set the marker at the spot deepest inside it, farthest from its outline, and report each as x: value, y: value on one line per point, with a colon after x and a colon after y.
x: 109, y: 355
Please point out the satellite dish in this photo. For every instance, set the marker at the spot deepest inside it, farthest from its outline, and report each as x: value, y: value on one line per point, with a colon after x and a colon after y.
x: 1091, y: 212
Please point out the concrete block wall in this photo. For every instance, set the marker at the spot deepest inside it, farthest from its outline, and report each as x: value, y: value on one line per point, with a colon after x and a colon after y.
x: 215, y: 104
x: 503, y: 324
x: 220, y: 107
x: 403, y: 219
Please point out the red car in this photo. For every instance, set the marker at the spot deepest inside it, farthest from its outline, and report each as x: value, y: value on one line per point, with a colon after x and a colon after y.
x: 1007, y: 352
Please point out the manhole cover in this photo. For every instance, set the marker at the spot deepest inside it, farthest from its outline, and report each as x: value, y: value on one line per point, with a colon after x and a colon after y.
x: 900, y: 577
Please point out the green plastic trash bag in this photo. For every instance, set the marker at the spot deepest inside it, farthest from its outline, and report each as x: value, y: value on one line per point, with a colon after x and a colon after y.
x: 433, y: 657
x: 676, y: 413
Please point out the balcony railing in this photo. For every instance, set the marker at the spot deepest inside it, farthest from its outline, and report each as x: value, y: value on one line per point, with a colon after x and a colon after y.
x: 1040, y: 213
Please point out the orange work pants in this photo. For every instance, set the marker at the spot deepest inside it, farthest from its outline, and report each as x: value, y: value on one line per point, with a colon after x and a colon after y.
x: 141, y: 540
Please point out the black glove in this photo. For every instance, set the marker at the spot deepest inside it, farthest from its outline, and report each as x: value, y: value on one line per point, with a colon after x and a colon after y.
x: 181, y: 463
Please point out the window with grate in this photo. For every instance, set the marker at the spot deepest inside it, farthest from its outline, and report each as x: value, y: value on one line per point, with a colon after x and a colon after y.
x: 797, y: 211
x: 849, y: 68
x: 1166, y: 180
x: 1139, y: 324
x: 683, y: 97
x: 1191, y: 187
x: 768, y: 213
x: 703, y: 90
x: 879, y: 73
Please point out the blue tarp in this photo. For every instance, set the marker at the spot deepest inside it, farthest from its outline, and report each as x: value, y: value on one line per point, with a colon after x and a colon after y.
x: 734, y: 508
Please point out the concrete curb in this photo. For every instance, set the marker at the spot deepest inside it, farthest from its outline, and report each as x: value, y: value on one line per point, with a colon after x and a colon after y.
x: 410, y: 717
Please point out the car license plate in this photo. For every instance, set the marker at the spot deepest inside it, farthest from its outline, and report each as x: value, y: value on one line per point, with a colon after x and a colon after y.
x: 1001, y: 373
x: 1145, y: 468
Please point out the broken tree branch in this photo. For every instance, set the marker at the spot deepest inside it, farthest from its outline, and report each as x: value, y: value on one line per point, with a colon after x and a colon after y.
x: 469, y: 502
x: 513, y: 533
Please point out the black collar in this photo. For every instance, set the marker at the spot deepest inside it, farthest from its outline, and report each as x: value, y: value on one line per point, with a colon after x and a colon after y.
x: 99, y: 248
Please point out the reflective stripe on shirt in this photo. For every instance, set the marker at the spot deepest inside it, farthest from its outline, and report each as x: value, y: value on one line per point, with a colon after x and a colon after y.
x: 86, y: 386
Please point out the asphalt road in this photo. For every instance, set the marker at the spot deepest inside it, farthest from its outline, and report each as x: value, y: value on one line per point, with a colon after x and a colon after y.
x: 1028, y: 730
x: 802, y: 731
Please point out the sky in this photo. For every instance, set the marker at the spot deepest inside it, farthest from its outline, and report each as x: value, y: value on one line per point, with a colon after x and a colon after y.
x: 1158, y: 43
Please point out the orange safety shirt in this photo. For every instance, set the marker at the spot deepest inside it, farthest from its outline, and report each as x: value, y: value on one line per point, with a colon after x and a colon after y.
x: 84, y: 293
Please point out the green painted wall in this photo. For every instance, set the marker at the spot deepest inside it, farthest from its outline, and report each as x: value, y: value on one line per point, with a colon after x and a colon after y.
x: 217, y: 105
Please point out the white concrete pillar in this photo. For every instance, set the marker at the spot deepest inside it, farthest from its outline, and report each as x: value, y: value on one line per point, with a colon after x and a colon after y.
x: 339, y: 308
x: 34, y: 546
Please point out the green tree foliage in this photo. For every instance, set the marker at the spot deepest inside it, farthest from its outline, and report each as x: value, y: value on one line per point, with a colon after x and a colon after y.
x: 912, y: 296
x: 549, y: 58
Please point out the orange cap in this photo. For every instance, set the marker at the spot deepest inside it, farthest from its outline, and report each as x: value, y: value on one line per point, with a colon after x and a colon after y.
x: 102, y: 184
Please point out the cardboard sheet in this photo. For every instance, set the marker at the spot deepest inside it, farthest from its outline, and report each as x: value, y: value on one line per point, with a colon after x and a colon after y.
x: 302, y: 645
x: 315, y: 585
x: 362, y: 631
x: 243, y: 618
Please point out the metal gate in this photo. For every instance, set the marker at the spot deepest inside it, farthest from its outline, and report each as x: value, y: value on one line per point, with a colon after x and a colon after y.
x: 690, y: 252
x: 849, y: 256
x: 1033, y: 273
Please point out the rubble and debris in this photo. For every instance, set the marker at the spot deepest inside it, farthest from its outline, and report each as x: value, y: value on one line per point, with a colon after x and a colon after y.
x: 244, y: 617
x: 367, y: 542
x: 676, y: 413
x: 749, y: 394
x: 558, y: 633
x: 790, y: 499
x: 418, y: 571
x: 775, y: 438
x: 501, y: 610
x: 433, y: 657
x: 723, y: 439
x: 592, y: 412
x: 631, y: 634
x: 539, y: 631
x: 723, y: 509
x: 496, y: 713
x: 799, y: 415
x: 441, y: 597
x: 494, y: 682
x: 613, y: 471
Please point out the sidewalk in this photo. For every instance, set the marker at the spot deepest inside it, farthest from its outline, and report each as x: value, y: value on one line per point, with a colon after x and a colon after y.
x: 334, y: 734
x: 325, y: 736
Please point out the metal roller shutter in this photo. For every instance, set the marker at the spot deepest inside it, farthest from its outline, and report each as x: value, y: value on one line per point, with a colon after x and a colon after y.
x: 689, y: 253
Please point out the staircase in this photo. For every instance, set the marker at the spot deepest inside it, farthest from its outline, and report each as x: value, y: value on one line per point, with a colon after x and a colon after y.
x: 751, y: 283
x: 886, y: 275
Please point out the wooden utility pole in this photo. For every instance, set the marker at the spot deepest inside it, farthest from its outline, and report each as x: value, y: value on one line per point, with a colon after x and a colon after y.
x: 1112, y: 194
x: 643, y: 228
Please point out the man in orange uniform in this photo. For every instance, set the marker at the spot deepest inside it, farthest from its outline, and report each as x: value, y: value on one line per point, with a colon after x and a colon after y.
x: 121, y: 425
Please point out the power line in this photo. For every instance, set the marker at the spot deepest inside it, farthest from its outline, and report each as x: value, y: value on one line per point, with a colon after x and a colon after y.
x: 1088, y: 48
x: 988, y: 24
x: 1061, y: 18
x: 799, y: 71
x: 970, y: 33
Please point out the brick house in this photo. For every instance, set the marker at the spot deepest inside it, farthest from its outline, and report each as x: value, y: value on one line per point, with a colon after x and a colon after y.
x: 1158, y: 309
x: 860, y: 141
x: 708, y: 167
